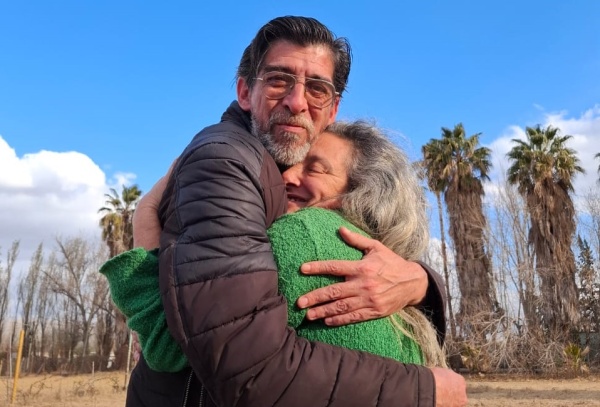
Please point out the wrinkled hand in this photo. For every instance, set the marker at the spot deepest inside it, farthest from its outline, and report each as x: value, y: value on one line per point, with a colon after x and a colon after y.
x: 376, y: 286
x: 450, y: 388
x: 146, y: 225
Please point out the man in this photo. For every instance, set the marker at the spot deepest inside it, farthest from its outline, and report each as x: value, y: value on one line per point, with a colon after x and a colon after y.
x: 218, y: 278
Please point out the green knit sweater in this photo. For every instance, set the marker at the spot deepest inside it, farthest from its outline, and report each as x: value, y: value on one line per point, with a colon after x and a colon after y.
x: 306, y: 235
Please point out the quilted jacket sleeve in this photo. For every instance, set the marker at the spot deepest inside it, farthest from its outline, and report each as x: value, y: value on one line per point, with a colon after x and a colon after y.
x: 434, y: 303
x: 219, y: 289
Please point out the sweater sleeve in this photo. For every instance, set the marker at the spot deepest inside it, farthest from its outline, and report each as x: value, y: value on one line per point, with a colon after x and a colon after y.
x: 219, y: 290
x: 133, y: 281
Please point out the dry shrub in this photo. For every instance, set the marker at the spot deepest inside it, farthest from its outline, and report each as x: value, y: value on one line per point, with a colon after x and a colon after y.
x: 494, y: 345
x: 82, y: 388
x: 575, y: 359
x: 32, y: 393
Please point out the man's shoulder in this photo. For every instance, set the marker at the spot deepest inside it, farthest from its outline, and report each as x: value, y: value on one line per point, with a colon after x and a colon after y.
x: 225, y: 140
x: 233, y: 129
x: 226, y: 133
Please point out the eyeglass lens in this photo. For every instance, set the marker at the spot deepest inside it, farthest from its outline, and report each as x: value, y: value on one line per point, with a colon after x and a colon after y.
x: 277, y: 85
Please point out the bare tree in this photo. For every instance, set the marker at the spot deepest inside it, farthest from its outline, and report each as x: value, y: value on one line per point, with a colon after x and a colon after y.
x: 75, y: 279
x: 589, y: 289
x: 105, y: 322
x: 43, y: 314
x: 5, y: 278
x: 513, y: 256
x: 591, y: 226
x: 27, y: 293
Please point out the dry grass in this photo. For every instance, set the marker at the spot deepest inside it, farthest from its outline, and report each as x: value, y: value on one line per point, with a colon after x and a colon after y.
x: 106, y: 390
x: 98, y: 390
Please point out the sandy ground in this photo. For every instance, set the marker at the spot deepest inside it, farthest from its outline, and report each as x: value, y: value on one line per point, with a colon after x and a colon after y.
x: 533, y: 392
x: 106, y: 390
x: 98, y: 390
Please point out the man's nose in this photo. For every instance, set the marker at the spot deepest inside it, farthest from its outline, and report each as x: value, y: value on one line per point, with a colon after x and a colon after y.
x: 296, y: 99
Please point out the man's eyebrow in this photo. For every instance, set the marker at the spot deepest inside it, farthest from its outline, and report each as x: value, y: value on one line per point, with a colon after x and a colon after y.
x: 285, y: 69
x: 277, y: 68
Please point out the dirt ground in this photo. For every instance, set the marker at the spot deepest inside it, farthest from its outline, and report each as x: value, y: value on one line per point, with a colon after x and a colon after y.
x: 106, y: 390
x: 514, y: 392
x: 98, y: 390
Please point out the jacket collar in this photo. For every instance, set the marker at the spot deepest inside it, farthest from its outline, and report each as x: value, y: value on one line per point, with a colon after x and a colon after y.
x: 234, y: 113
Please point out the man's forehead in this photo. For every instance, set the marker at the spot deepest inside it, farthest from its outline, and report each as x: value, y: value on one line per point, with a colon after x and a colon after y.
x: 315, y: 60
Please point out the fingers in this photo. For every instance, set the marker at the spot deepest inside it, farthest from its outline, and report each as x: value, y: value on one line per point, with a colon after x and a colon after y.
x: 339, y: 304
x: 350, y: 318
x: 342, y: 312
x: 335, y: 308
x: 451, y: 389
x: 341, y: 268
x: 357, y: 240
x: 327, y: 294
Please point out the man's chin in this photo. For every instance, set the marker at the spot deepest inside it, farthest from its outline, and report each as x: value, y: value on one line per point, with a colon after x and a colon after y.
x: 288, y: 138
x: 286, y: 153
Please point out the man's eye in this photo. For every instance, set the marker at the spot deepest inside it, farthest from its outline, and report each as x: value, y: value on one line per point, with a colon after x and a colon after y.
x: 317, y: 88
x: 277, y: 81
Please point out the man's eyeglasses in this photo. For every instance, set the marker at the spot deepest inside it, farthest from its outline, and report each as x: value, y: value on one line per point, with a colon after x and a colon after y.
x: 319, y: 93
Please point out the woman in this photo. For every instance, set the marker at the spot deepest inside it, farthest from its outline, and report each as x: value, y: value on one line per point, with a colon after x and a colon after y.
x: 351, y: 168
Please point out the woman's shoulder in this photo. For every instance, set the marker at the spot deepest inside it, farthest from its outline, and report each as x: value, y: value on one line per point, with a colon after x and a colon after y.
x: 313, y: 234
x: 315, y: 219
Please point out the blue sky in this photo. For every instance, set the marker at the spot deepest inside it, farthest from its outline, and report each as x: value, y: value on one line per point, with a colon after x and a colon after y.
x: 95, y: 93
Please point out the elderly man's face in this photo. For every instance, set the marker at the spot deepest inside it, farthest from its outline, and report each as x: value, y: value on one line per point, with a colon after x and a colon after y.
x: 288, y: 126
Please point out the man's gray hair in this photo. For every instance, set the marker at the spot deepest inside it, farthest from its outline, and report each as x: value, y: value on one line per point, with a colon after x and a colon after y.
x: 302, y: 31
x: 385, y: 198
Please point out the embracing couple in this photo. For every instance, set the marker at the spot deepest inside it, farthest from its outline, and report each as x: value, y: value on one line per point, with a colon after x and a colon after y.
x: 222, y: 309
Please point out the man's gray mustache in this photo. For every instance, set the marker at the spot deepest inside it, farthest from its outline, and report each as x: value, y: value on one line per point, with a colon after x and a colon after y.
x: 285, y: 119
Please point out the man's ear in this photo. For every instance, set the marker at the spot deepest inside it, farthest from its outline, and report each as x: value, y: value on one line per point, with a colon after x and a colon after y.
x: 334, y: 110
x: 243, y: 94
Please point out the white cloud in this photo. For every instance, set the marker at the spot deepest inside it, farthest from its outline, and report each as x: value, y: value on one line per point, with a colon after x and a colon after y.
x: 586, y: 141
x: 48, y: 194
x: 585, y: 130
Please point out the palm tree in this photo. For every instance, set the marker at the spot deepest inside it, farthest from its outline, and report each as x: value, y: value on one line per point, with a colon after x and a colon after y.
x: 116, y: 224
x: 428, y: 171
x: 117, y: 232
x: 543, y: 169
x: 456, y: 166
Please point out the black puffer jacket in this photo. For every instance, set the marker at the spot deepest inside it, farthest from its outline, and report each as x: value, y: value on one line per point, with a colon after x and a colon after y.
x: 219, y: 288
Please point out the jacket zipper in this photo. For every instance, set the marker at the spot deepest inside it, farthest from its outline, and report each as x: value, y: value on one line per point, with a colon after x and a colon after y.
x: 187, y: 389
x: 201, y: 403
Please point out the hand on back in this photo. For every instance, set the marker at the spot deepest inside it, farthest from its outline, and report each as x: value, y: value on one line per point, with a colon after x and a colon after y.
x: 379, y: 285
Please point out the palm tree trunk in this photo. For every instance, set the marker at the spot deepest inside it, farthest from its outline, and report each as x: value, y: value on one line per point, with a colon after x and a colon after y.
x: 445, y: 263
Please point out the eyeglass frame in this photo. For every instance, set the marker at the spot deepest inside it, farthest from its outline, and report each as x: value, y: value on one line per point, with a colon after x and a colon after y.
x: 296, y: 81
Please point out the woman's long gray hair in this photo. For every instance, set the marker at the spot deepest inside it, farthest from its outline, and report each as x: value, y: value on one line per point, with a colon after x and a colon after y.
x: 386, y: 200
